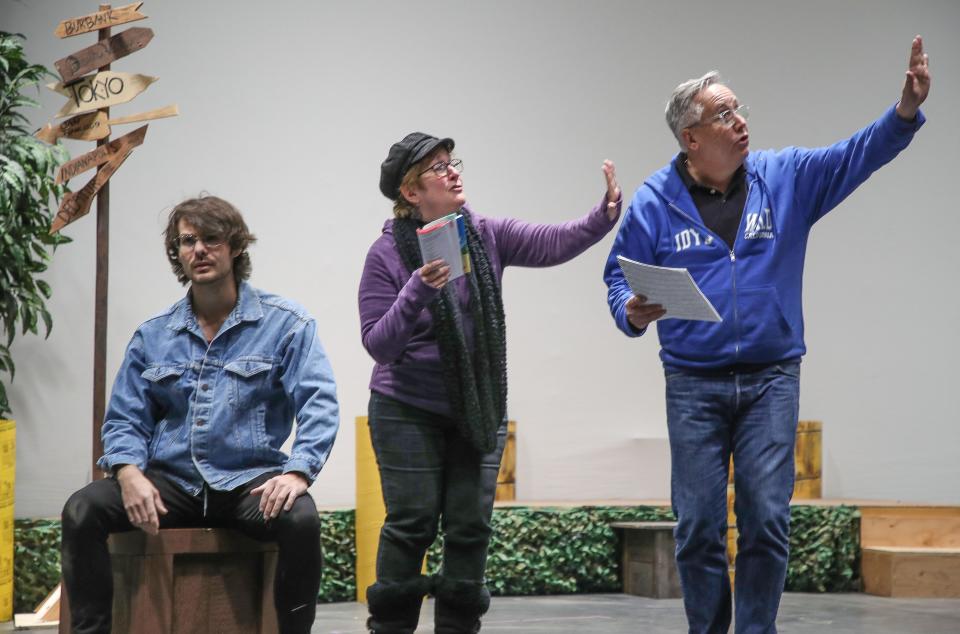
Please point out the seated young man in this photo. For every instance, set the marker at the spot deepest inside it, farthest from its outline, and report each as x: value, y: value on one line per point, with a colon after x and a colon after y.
x: 205, y: 397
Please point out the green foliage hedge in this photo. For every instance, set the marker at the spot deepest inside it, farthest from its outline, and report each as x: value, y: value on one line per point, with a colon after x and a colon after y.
x: 824, y: 549
x: 555, y: 551
x: 36, y: 559
x: 533, y: 551
x: 36, y: 562
x: 339, y: 544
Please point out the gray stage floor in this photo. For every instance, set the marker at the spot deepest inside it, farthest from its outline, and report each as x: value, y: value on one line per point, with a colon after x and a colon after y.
x: 622, y: 614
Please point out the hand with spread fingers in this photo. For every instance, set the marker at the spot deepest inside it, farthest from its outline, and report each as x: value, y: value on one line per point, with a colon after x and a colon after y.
x: 279, y: 493
x: 141, y: 500
x: 641, y: 314
x: 613, y: 189
x: 916, y: 85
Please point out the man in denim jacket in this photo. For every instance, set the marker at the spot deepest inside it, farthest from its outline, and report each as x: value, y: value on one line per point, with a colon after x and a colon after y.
x: 205, y: 397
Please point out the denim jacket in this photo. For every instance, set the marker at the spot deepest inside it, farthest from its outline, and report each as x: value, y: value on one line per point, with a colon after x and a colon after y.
x: 219, y: 414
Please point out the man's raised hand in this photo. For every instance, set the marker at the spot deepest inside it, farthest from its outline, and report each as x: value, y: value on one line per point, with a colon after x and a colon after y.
x: 916, y: 86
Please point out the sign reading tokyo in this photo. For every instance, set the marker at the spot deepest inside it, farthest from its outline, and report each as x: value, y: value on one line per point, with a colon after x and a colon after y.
x: 101, y: 90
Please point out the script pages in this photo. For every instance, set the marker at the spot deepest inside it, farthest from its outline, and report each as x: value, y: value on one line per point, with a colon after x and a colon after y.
x: 672, y: 288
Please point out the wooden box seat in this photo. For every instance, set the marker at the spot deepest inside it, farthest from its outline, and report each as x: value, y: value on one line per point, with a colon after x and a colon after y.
x: 648, y: 559
x: 190, y: 581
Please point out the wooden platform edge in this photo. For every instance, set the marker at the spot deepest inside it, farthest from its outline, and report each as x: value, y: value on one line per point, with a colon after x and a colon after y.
x: 47, y: 614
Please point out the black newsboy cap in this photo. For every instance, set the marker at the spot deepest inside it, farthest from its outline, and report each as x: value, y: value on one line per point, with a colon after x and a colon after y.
x: 402, y: 155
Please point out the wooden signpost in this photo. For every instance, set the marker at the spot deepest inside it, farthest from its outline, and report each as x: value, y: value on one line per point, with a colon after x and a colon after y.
x: 94, y: 126
x: 99, y: 91
x: 74, y: 67
x: 103, y: 19
x: 89, y: 99
x: 101, y: 155
x: 77, y: 204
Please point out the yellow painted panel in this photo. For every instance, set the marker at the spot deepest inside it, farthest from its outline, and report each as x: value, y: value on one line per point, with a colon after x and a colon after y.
x: 507, y: 477
x: 808, y: 489
x: 731, y: 545
x: 8, y: 461
x: 808, y: 454
x: 506, y: 492
x: 508, y: 462
x: 370, y: 509
x: 6, y: 601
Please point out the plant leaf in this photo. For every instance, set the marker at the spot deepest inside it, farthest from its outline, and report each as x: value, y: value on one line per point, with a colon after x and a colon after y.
x: 27, y: 191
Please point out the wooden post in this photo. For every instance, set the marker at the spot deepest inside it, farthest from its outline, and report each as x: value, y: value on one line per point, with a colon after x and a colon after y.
x: 100, y: 310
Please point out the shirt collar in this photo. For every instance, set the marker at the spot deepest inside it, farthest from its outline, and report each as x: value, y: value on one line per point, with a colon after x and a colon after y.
x: 248, y: 308
x: 680, y: 164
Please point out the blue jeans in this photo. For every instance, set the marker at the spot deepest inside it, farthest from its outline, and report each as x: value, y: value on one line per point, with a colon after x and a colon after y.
x: 430, y: 475
x: 752, y: 415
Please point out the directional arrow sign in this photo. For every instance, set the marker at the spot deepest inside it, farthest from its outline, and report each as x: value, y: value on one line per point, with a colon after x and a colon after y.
x: 77, y: 204
x: 101, y: 155
x: 99, y: 20
x: 82, y: 126
x: 94, y: 126
x: 73, y: 67
x: 100, y: 91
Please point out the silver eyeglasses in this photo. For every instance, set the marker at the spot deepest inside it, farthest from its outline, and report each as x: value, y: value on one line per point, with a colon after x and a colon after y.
x: 440, y: 168
x: 728, y: 117
x: 188, y: 241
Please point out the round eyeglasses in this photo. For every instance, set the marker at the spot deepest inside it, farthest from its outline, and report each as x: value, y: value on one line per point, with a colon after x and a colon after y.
x: 441, y: 168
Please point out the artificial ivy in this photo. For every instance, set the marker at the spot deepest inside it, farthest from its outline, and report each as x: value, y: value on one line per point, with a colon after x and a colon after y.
x: 36, y: 559
x: 824, y: 549
x: 339, y: 544
x: 555, y: 550
x: 533, y: 551
x: 36, y: 562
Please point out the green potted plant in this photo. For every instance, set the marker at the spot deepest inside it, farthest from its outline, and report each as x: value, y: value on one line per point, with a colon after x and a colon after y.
x: 27, y: 168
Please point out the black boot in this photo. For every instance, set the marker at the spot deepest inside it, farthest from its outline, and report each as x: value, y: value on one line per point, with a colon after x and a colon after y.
x: 395, y: 605
x: 459, y: 605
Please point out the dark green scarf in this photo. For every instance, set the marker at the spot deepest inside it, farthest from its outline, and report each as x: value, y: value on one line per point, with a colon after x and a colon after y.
x: 476, y: 380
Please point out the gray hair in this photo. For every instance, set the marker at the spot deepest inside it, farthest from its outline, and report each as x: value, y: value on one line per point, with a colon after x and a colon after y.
x: 682, y: 109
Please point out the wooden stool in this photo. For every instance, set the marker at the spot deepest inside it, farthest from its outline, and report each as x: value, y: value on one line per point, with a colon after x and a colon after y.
x: 648, y: 559
x: 190, y: 581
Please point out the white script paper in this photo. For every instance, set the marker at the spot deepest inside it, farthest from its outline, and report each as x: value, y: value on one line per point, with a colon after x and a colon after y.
x: 674, y: 289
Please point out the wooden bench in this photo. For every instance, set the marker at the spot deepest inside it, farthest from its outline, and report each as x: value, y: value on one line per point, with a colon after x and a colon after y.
x: 648, y: 559
x: 190, y: 581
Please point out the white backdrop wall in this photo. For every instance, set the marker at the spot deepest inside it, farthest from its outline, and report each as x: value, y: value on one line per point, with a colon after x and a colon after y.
x: 288, y: 109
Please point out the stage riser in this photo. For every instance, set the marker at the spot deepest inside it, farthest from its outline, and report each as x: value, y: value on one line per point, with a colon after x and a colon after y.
x: 911, y: 573
x: 929, y: 527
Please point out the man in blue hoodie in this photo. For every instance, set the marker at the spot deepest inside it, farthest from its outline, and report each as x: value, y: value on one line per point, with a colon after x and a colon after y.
x: 739, y: 221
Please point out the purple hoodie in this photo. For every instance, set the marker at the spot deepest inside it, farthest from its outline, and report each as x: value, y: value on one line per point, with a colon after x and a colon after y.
x: 397, y: 328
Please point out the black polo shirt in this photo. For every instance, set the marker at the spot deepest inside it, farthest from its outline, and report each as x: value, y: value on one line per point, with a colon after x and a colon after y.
x: 721, y: 211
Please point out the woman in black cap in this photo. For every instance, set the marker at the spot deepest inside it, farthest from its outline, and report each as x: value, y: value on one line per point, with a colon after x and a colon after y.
x: 439, y: 387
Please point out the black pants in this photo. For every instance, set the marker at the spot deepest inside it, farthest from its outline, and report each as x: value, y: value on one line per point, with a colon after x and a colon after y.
x: 430, y: 475
x: 96, y: 510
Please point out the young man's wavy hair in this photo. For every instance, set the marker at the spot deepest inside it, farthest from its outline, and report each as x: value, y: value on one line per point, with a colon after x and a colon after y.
x: 211, y: 216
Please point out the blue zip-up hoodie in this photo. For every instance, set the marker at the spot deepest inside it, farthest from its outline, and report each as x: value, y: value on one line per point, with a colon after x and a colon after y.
x: 756, y: 284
